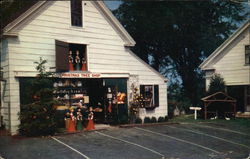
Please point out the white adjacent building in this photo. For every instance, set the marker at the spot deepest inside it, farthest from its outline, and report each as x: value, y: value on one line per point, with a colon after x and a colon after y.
x: 232, y: 61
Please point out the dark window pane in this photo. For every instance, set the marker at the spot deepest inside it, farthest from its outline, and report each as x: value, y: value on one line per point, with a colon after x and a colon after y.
x: 156, y: 95
x: 247, y: 59
x: 79, y: 56
x: 76, y: 12
x: 247, y: 54
x: 150, y: 94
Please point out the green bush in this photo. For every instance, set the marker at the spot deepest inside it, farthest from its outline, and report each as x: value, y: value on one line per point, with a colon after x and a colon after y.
x: 138, y: 120
x: 166, y: 118
x: 161, y: 119
x: 153, y: 120
x: 217, y: 84
x: 147, y: 120
x: 38, y: 115
x: 37, y: 119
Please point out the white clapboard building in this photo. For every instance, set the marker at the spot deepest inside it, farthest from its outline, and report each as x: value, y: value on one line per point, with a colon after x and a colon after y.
x: 88, y: 48
x: 232, y: 61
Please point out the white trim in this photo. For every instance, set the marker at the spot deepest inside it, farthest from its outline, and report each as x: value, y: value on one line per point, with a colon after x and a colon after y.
x: 210, y: 58
x: 129, y: 41
x: 22, y: 17
x: 147, y: 65
x: 102, y: 75
x: 75, y: 41
x: 83, y: 24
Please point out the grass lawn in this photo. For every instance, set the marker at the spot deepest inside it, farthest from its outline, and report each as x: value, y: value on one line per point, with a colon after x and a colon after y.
x: 242, y: 123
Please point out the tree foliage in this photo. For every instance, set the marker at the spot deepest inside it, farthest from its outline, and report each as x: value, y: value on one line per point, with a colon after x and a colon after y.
x: 38, y: 116
x: 217, y: 84
x: 179, y: 34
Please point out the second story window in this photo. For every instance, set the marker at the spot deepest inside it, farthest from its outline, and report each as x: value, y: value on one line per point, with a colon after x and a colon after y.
x: 247, y: 54
x: 71, y: 57
x: 76, y: 12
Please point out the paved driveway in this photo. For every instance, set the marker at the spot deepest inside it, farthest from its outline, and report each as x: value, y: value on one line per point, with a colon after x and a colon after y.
x: 180, y: 141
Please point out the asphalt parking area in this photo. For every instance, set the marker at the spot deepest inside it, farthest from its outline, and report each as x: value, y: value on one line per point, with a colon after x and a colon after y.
x: 180, y: 141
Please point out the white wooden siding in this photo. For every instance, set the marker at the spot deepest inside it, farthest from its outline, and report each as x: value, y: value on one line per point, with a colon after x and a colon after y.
x: 106, y: 51
x: 232, y: 64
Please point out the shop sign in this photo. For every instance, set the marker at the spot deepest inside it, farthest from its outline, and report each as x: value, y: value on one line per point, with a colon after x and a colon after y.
x: 79, y: 75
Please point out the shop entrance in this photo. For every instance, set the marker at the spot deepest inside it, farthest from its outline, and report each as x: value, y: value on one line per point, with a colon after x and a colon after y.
x: 107, y: 97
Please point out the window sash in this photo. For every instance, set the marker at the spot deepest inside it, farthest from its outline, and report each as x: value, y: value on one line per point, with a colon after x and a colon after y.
x: 76, y: 12
x: 247, y: 54
x: 150, y: 94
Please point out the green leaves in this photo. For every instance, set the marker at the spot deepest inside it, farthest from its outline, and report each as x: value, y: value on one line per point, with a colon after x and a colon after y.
x: 180, y: 34
x: 217, y: 84
x: 38, y: 115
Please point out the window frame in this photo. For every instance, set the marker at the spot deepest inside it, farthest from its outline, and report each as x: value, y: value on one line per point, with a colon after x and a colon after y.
x: 70, y: 15
x: 247, y: 54
x: 156, y: 97
x: 62, y: 49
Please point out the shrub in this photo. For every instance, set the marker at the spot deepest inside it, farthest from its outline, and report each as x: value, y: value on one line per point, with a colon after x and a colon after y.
x: 161, y: 119
x: 166, y: 118
x: 38, y: 116
x: 37, y: 119
x: 217, y: 84
x: 138, y: 120
x: 153, y: 120
x: 147, y: 120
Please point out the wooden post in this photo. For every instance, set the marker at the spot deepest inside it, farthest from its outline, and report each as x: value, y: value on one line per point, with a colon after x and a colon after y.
x: 234, y: 104
x: 205, y: 110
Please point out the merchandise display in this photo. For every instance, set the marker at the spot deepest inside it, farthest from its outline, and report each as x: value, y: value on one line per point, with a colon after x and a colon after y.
x: 72, y: 121
x: 71, y: 61
x: 90, y: 100
x: 90, y: 125
x: 79, y: 120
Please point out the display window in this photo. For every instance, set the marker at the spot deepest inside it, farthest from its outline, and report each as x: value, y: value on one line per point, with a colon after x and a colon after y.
x: 150, y: 94
x: 71, y: 57
x: 74, y: 97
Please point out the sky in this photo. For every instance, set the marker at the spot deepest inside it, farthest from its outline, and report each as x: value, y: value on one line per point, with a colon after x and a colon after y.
x: 112, y: 4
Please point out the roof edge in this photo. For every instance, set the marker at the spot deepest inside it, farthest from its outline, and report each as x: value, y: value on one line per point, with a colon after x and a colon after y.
x: 23, y: 16
x: 147, y: 65
x: 224, y: 45
x: 129, y: 40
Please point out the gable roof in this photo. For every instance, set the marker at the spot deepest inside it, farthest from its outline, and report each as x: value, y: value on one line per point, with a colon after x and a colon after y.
x: 226, y: 43
x: 219, y: 97
x: 32, y: 8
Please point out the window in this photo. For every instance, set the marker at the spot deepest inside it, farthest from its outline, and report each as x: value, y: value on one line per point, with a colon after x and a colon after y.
x: 76, y: 12
x: 150, y: 94
x: 247, y: 54
x: 77, y: 57
x: 71, y: 57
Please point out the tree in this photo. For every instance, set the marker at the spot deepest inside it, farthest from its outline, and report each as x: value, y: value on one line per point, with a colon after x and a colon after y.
x: 180, y: 34
x: 38, y: 116
x: 217, y: 84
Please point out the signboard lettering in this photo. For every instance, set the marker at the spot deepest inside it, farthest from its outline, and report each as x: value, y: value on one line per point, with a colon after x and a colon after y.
x: 79, y: 75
